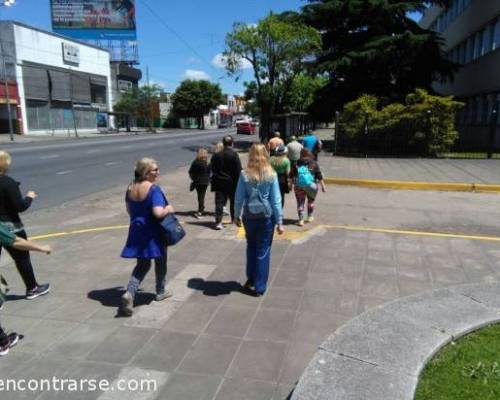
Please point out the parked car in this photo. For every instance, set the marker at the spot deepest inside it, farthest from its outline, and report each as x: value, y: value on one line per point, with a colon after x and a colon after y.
x: 224, y: 125
x: 245, y: 127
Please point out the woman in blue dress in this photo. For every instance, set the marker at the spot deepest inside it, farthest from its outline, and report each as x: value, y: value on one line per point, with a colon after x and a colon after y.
x: 146, y: 205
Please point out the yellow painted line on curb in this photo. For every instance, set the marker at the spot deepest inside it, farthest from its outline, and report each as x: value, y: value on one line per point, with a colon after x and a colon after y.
x: 410, y: 185
x: 414, y: 233
x: 294, y: 235
x: 79, y: 231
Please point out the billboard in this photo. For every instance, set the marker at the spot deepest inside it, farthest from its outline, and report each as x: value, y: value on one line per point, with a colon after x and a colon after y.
x: 109, y: 24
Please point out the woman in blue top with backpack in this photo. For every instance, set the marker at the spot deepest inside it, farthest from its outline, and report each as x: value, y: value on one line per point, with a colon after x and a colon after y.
x: 306, y: 177
x: 258, y: 200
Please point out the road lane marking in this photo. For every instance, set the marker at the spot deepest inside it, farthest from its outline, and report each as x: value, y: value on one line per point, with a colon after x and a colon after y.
x: 108, y: 164
x: 93, y: 151
x: 49, y: 157
x: 297, y: 234
x: 125, y: 147
x: 68, y: 171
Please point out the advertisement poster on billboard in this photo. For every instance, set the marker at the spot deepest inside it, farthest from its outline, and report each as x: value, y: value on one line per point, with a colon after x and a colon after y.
x: 109, y: 24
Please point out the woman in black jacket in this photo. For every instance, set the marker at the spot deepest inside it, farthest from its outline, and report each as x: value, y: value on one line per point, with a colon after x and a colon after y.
x: 199, y: 172
x: 12, y: 203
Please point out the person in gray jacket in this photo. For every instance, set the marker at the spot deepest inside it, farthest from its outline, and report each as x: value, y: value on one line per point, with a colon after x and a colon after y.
x: 294, y: 148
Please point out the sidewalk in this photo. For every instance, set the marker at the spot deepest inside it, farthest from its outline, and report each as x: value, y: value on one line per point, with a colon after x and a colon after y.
x: 211, y: 341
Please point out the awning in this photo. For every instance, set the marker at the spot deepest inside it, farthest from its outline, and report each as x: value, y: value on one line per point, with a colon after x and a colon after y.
x: 60, y: 85
x: 80, y: 88
x: 36, y: 83
x: 98, y: 80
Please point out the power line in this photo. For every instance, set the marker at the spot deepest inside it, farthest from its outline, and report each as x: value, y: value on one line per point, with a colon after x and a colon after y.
x: 177, y: 35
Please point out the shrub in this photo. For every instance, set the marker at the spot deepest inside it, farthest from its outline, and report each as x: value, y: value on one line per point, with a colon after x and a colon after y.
x: 424, y: 125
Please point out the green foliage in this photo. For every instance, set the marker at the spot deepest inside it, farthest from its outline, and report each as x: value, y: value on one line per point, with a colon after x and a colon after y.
x: 423, y: 125
x: 195, y: 98
x: 303, y: 91
x: 373, y: 47
x: 465, y: 370
x: 275, y: 48
x: 138, y: 102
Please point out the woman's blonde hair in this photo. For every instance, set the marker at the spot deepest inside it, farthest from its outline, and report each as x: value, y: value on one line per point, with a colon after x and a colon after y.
x: 5, y: 161
x: 258, y: 168
x: 142, y: 168
x: 218, y: 147
x: 202, y: 154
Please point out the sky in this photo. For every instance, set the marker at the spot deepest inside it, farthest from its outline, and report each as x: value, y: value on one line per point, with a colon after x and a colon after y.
x: 177, y: 39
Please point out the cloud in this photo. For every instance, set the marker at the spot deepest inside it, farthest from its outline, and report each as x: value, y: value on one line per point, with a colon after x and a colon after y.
x: 193, y: 60
x: 195, y: 75
x: 219, y: 61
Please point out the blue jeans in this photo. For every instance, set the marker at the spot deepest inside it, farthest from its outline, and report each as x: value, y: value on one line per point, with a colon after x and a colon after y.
x: 259, y: 233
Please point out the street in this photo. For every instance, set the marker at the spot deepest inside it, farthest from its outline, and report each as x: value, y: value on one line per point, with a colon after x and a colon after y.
x: 68, y: 169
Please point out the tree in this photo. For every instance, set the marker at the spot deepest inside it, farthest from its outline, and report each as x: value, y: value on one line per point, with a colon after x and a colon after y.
x: 372, y: 46
x: 139, y: 102
x: 195, y: 99
x: 276, y: 49
x: 303, y: 91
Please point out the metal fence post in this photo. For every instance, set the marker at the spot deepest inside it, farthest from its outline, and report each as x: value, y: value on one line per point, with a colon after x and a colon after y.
x: 493, y: 128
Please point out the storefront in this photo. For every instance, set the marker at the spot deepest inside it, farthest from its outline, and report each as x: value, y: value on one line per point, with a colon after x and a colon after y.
x: 64, y: 85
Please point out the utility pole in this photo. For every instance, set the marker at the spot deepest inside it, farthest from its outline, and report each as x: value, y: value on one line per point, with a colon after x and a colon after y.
x: 150, y: 111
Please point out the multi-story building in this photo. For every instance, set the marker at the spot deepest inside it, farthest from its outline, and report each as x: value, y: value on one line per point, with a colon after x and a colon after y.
x: 471, y: 30
x: 55, y: 84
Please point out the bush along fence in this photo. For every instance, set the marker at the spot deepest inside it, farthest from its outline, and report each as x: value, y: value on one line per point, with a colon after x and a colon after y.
x: 424, y: 126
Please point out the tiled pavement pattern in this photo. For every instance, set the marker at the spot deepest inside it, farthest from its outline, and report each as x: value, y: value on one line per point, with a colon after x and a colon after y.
x: 211, y: 341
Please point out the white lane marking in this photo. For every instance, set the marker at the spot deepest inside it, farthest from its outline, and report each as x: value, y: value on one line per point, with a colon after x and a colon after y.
x: 49, y: 157
x: 68, y: 171
x: 151, y: 380
x: 125, y: 147
x: 112, y: 163
x: 93, y: 151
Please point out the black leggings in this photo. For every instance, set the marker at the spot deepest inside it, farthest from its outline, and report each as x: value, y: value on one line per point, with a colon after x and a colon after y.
x: 201, y: 190
x: 4, y: 339
x: 23, y: 263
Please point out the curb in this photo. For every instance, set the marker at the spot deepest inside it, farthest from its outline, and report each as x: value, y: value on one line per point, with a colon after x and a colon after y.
x: 411, y: 185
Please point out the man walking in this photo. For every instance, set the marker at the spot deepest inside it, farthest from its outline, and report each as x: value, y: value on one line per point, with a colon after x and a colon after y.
x: 294, y: 148
x: 312, y: 143
x: 226, y: 168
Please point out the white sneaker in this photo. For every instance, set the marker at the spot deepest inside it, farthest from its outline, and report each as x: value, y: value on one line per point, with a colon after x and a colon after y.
x: 127, y: 304
x: 224, y: 211
x: 218, y: 226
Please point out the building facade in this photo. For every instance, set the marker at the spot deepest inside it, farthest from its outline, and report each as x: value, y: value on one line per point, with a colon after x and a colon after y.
x: 471, y: 30
x: 59, y: 85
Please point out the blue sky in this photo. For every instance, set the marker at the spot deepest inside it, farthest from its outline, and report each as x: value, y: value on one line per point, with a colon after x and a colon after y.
x: 202, y: 24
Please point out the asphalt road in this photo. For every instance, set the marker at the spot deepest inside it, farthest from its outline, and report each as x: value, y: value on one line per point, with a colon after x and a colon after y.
x: 68, y: 169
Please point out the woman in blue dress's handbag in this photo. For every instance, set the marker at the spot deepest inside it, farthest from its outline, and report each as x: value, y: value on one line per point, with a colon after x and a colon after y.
x: 258, y: 199
x: 146, y: 205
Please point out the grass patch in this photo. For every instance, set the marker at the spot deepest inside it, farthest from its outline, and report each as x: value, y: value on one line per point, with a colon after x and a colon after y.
x: 466, y: 370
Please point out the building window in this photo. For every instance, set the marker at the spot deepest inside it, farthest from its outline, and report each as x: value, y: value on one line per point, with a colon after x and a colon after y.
x: 496, y: 35
x: 486, y: 44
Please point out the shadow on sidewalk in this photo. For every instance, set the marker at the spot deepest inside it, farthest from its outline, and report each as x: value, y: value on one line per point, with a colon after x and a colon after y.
x: 216, y: 288
x: 111, y: 297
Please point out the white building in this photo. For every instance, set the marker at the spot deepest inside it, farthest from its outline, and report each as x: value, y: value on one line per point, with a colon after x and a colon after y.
x: 62, y: 84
